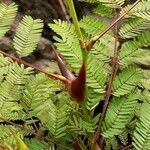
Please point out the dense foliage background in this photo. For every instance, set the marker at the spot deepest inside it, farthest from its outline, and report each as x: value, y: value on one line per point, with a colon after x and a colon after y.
x: 74, y: 84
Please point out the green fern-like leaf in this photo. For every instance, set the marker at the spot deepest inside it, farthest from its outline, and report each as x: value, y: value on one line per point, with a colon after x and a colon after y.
x: 93, y: 99
x: 111, y: 143
x: 126, y: 81
x: 91, y: 25
x: 119, y: 112
x: 6, y: 65
x: 134, y: 27
x: 109, y: 3
x: 6, y: 138
x: 131, y: 51
x: 145, y: 81
x: 103, y: 10
x: 141, y: 137
x: 81, y: 126
x: 55, y: 120
x: 27, y: 35
x: 13, y: 81
x: 7, y: 15
x: 38, y: 101
x: 144, y: 39
x: 68, y: 44
x: 103, y: 49
x: 123, y: 136
x: 142, y: 10
x: 96, y: 80
x: 37, y: 91
x: 112, y: 3
x: 34, y: 144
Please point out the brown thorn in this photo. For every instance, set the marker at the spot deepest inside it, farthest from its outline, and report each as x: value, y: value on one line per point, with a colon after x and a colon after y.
x: 93, y: 40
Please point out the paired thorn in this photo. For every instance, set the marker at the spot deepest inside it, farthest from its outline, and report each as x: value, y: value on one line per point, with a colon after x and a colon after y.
x: 78, y: 85
x: 75, y: 85
x: 63, y: 69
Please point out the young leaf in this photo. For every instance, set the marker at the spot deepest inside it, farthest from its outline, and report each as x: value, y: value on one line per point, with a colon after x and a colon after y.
x: 27, y: 35
x: 7, y: 15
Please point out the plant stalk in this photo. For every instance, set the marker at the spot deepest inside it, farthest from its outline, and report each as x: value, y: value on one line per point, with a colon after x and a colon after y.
x: 110, y: 84
x: 75, y: 21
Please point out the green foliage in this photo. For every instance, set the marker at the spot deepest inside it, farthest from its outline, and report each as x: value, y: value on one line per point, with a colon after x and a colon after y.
x: 13, y: 79
x: 27, y: 35
x: 86, y: 23
x: 35, y: 144
x: 123, y: 136
x: 145, y: 81
x: 82, y: 127
x: 7, y: 15
x: 126, y: 81
x: 6, y: 137
x: 134, y: 28
x: 89, y: 1
x: 103, y: 10
x: 132, y: 51
x: 142, y: 10
x: 111, y: 143
x: 40, y: 110
x: 119, y: 112
x: 68, y: 42
x: 141, y: 138
x: 110, y: 3
x: 93, y: 99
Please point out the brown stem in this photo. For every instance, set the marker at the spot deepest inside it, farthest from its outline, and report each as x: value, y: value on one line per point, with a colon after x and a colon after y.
x: 110, y: 84
x: 11, y: 123
x: 21, y: 127
x: 64, y: 10
x: 128, y: 147
x: 93, y: 40
x: 51, y: 75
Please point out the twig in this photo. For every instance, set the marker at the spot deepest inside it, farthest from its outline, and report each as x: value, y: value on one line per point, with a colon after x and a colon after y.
x: 21, y: 127
x: 62, y: 5
x: 11, y: 123
x: 110, y: 84
x: 51, y: 75
x: 93, y: 40
x: 128, y: 147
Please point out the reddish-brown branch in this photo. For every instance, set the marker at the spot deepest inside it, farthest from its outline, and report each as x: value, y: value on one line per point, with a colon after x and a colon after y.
x: 51, y: 75
x: 93, y: 40
x: 110, y: 84
x: 11, y: 123
x: 115, y: 66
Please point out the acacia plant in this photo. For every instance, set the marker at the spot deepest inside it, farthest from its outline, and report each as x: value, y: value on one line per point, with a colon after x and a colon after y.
x: 101, y: 99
